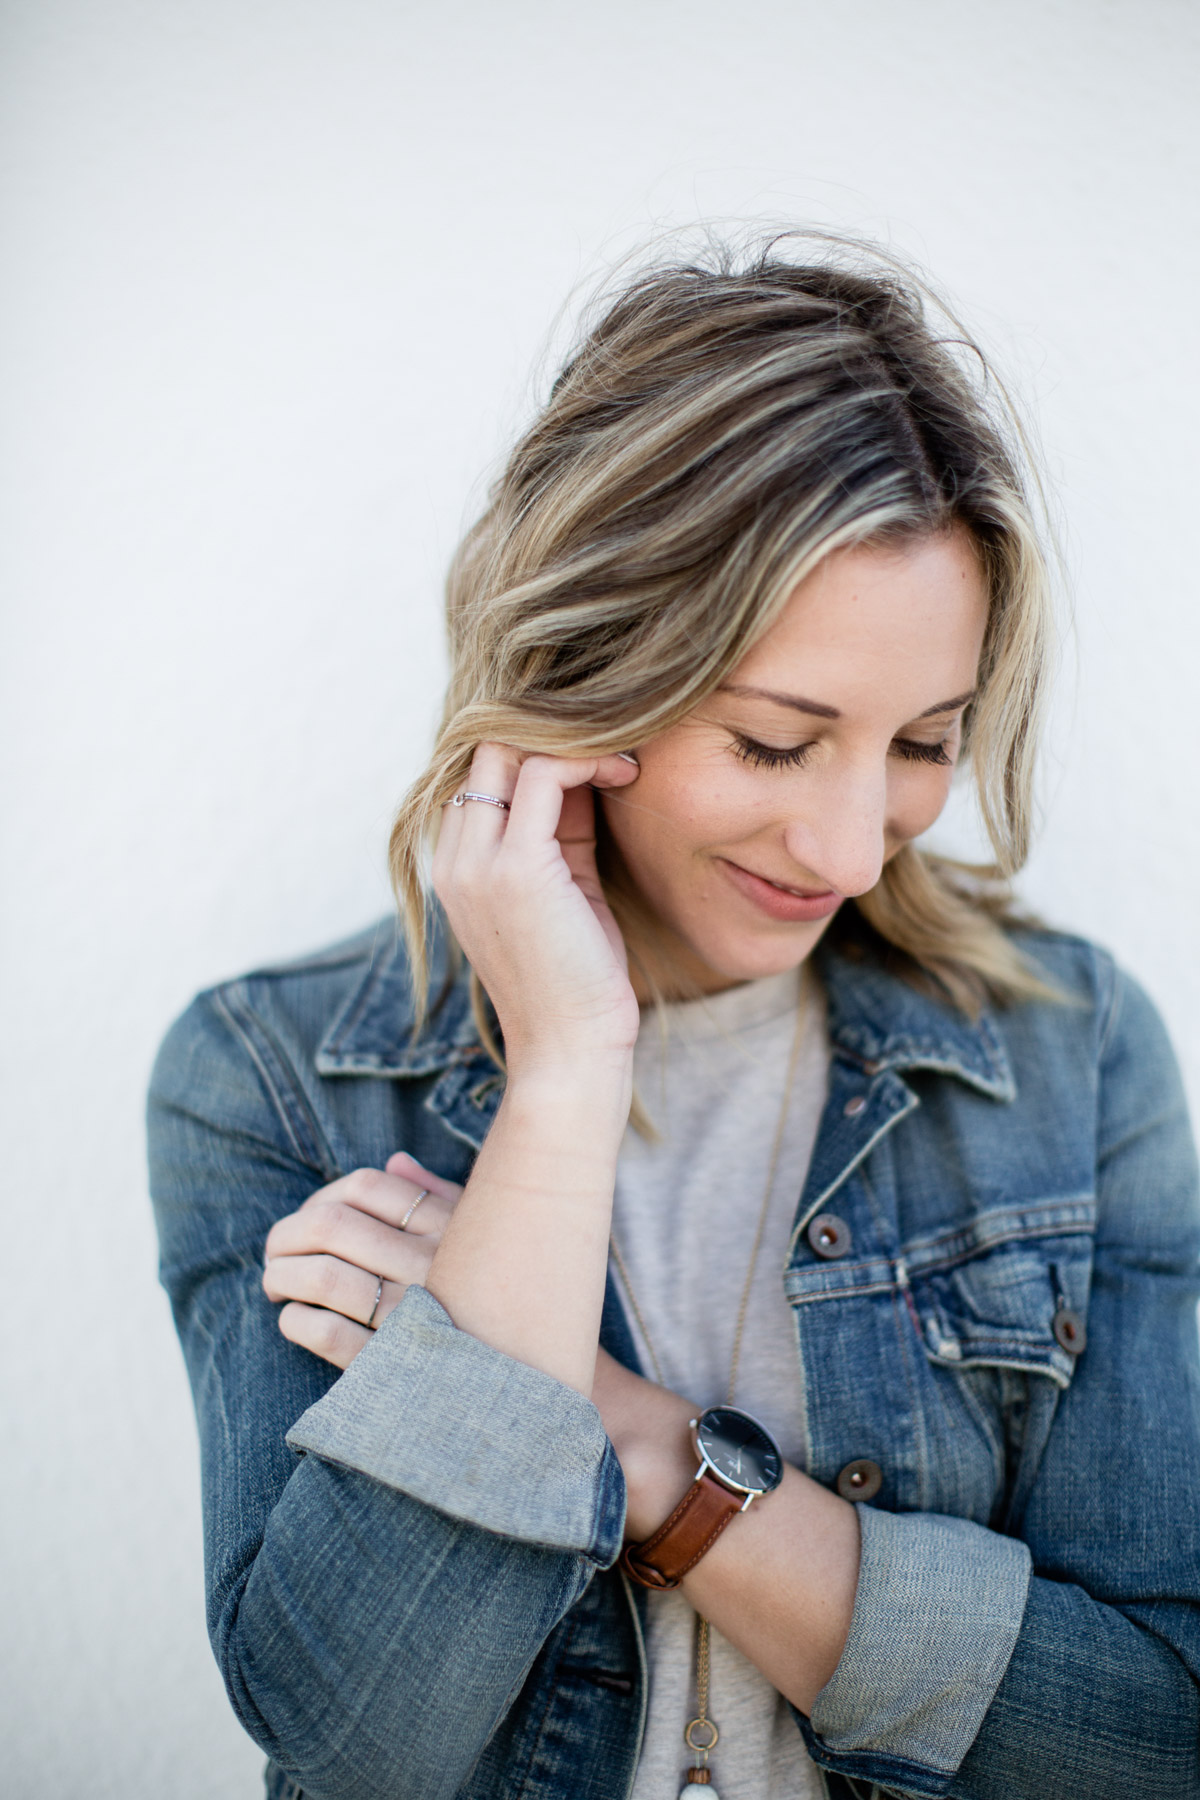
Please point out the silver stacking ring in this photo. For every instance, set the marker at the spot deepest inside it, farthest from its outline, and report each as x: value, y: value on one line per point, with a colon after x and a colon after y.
x: 487, y: 799
x: 375, y: 1308
x: 423, y: 1195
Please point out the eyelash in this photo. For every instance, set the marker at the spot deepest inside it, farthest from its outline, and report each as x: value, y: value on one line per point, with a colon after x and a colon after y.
x: 762, y: 756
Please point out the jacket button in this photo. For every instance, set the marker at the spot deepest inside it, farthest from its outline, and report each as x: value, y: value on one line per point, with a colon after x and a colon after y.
x: 829, y: 1236
x: 860, y: 1480
x: 1070, y: 1330
x: 854, y: 1106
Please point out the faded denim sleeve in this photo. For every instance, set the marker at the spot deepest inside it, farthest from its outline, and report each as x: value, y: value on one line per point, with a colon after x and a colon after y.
x: 1061, y: 1663
x: 429, y: 1410
x: 403, y: 1554
x: 936, y: 1616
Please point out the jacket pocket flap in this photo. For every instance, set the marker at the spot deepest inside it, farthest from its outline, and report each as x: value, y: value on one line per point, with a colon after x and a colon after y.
x: 1009, y: 1289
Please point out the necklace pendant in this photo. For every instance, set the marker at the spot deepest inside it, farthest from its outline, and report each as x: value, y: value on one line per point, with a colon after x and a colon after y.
x: 698, y: 1778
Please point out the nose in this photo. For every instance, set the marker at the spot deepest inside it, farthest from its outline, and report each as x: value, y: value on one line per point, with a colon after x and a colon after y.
x: 837, y: 829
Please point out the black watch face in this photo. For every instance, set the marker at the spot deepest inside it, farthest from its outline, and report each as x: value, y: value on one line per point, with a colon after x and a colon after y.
x: 740, y: 1450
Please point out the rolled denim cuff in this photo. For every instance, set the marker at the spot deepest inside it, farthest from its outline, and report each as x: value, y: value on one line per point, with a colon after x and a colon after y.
x: 936, y: 1617
x: 446, y: 1419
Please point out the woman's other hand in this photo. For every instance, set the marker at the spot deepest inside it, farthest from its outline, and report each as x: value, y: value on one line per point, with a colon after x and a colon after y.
x: 521, y: 891
x: 325, y: 1261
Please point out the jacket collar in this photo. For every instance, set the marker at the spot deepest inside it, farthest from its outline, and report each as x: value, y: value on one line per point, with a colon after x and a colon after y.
x: 875, y: 1020
x: 373, y: 1032
x: 882, y: 1022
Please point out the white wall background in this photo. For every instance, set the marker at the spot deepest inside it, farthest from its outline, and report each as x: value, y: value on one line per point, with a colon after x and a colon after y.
x: 275, y: 273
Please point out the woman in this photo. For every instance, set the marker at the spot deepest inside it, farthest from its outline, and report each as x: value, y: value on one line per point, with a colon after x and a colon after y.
x: 834, y: 1425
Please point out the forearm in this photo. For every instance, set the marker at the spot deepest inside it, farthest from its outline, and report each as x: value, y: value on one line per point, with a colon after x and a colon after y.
x: 523, y: 1260
x: 330, y: 1660
x: 374, y: 1606
x: 1091, y: 1703
x: 780, y: 1581
x: 1059, y: 1694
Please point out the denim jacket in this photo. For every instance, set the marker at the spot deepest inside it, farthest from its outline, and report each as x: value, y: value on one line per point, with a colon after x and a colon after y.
x: 410, y: 1566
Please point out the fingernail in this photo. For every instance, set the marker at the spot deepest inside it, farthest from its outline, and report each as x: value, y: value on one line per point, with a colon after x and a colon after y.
x: 629, y: 757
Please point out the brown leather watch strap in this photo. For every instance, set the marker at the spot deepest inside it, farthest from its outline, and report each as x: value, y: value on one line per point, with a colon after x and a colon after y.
x: 679, y: 1543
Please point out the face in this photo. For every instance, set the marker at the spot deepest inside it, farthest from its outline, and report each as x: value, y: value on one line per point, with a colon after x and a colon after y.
x: 830, y: 746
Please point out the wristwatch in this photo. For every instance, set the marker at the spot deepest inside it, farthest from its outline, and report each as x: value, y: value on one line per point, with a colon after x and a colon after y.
x: 739, y: 1462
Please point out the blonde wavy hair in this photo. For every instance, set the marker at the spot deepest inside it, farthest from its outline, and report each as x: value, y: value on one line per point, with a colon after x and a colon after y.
x: 725, y: 424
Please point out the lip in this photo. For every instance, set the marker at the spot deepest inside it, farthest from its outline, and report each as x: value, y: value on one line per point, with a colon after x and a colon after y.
x: 777, y: 902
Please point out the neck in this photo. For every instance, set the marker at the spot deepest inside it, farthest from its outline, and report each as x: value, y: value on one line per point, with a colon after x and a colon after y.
x: 673, y: 972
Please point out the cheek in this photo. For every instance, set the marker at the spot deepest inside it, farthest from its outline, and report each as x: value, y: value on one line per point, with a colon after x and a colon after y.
x: 685, y: 796
x: 916, y: 800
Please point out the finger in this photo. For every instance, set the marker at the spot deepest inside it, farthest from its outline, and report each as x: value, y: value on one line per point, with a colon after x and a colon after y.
x: 385, y: 1196
x: 334, y: 1339
x: 339, y: 1229
x: 577, y: 820
x: 494, y: 770
x: 434, y: 1198
x: 576, y: 835
x: 537, y: 803
x: 619, y: 770
x: 338, y: 1286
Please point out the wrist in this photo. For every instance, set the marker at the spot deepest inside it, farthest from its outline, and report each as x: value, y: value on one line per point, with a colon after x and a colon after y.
x: 657, y: 1476
x: 649, y: 1429
x: 591, y: 1080
x: 739, y: 1463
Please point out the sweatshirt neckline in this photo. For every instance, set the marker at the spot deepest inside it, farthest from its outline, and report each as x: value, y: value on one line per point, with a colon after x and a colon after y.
x: 738, y: 1009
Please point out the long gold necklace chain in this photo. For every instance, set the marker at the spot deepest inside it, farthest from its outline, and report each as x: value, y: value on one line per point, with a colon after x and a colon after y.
x: 699, y: 1774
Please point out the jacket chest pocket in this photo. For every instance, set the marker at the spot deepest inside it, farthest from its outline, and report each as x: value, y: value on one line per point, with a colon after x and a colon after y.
x: 1007, y: 1291
x: 941, y: 1364
x: 1000, y: 1309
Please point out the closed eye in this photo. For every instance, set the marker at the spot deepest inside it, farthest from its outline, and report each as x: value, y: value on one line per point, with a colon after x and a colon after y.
x: 914, y: 751
x: 762, y: 756
x: 765, y: 756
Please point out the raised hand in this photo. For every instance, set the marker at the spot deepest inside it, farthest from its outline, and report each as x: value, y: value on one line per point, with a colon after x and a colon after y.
x: 521, y: 891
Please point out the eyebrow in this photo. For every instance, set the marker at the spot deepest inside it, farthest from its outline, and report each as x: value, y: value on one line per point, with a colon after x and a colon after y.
x: 822, y: 711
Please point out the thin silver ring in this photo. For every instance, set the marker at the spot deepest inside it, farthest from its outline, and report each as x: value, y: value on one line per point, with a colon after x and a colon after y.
x: 423, y: 1195
x: 375, y: 1308
x: 487, y: 799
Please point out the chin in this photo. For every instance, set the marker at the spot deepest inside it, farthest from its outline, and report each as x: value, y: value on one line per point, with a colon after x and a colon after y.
x: 747, y: 956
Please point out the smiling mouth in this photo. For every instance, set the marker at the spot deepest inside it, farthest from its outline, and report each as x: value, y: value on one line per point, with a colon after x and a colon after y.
x: 784, y: 901
x: 782, y: 887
